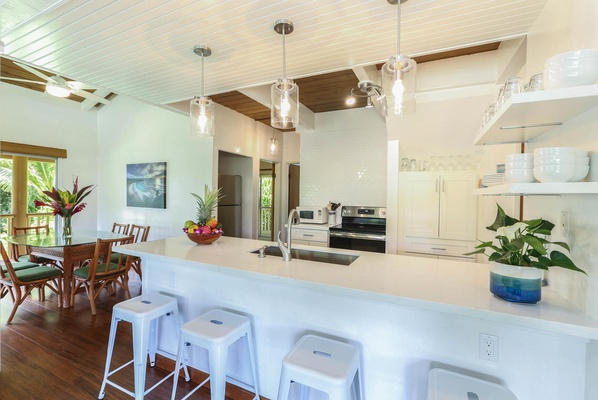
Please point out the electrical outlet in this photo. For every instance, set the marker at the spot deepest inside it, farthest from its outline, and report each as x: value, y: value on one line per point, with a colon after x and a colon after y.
x: 488, y: 347
x: 565, y: 224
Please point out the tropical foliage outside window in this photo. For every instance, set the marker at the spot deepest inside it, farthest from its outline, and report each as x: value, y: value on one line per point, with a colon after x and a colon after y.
x: 40, y: 177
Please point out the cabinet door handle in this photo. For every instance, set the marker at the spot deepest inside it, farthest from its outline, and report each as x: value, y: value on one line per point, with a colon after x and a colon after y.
x: 436, y: 185
x: 442, y: 185
x: 438, y: 248
x: 308, y: 235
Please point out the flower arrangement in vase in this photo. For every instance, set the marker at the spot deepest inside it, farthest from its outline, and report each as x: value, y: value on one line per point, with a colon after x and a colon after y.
x: 66, y: 204
x: 206, y: 229
x: 518, y: 260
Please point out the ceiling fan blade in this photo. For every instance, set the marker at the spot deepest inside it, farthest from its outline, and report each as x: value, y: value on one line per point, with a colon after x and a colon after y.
x: 6, y: 78
x: 33, y: 71
x: 76, y: 85
x: 91, y: 96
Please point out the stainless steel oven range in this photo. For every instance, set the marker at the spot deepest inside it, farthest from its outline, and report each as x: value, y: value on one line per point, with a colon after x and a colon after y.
x: 362, y: 228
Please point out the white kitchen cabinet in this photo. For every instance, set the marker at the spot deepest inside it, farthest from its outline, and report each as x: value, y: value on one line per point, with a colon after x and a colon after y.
x: 438, y: 205
x: 310, y: 235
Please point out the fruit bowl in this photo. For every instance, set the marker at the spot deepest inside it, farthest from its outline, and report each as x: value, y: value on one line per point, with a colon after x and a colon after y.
x: 204, y: 238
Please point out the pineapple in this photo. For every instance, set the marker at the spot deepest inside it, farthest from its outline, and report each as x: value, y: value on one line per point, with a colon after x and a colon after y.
x: 206, y: 204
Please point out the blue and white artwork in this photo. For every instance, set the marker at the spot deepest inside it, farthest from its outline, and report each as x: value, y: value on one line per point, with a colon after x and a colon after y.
x: 146, y: 185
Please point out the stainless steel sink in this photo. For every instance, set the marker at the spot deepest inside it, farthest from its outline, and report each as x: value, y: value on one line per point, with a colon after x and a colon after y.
x: 311, y: 255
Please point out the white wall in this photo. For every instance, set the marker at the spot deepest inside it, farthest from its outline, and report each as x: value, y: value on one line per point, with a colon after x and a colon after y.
x: 132, y: 132
x: 35, y: 118
x: 561, y: 27
x: 344, y: 160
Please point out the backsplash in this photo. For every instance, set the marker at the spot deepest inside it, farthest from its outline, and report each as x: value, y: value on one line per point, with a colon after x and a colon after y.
x: 344, y: 160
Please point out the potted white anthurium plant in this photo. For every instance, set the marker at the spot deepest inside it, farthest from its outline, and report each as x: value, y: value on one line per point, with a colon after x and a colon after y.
x: 517, y: 261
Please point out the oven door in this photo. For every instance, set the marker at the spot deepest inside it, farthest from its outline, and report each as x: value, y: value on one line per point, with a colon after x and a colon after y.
x: 358, y: 241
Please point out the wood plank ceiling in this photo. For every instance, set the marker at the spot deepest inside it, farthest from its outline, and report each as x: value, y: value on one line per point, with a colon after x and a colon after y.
x: 143, y: 49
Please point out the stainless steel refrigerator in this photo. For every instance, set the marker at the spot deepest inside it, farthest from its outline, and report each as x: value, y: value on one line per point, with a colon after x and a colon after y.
x: 229, y: 208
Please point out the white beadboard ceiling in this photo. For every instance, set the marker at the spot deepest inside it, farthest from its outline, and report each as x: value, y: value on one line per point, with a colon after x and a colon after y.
x: 143, y: 48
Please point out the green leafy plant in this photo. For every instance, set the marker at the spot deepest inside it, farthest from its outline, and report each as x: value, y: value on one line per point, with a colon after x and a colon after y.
x: 65, y: 203
x: 518, y: 244
x: 206, y: 204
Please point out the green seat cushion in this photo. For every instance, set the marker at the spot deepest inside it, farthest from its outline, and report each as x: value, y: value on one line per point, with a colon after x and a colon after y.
x: 84, y: 272
x: 39, y: 260
x: 36, y: 273
x: 19, y: 265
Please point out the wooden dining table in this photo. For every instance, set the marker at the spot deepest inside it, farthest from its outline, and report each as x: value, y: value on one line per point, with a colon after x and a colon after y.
x: 69, y: 252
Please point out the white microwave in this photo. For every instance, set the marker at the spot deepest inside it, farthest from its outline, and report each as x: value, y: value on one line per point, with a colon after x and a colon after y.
x: 313, y: 215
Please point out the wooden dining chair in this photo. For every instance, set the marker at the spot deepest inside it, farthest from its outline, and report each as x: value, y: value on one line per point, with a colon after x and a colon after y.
x: 21, y: 282
x: 120, y: 228
x: 139, y: 233
x: 99, y: 274
x: 28, y: 230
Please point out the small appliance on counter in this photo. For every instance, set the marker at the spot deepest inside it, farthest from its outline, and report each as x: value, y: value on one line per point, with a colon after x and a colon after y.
x: 312, y: 215
x: 362, y: 228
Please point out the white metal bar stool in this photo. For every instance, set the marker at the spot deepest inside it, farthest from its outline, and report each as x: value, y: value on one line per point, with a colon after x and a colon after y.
x: 323, y: 364
x: 215, y: 331
x: 142, y: 312
x: 447, y: 385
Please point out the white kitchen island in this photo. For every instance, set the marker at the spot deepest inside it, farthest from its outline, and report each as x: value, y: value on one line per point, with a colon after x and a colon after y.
x: 406, y: 315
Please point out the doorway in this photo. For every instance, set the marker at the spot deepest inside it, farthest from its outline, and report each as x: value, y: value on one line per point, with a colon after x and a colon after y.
x: 266, y: 209
x: 294, y: 180
x: 235, y: 176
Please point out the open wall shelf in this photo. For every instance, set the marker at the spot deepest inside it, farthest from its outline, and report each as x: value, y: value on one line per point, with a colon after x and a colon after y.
x: 525, y: 116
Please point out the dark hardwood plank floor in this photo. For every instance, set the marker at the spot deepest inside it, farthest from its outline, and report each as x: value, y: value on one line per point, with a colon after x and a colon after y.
x: 53, y: 353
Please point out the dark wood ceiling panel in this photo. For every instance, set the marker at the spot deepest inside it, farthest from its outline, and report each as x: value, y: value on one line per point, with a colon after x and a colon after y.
x: 11, y: 70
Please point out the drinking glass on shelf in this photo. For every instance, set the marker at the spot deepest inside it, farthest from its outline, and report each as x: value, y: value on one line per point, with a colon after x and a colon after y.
x: 512, y: 86
x: 451, y: 163
x: 432, y: 166
x: 536, y: 82
x: 413, y: 164
x: 441, y: 163
x: 405, y: 164
x: 500, y: 99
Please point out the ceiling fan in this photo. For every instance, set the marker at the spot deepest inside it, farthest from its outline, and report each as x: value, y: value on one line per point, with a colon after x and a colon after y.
x: 57, y: 86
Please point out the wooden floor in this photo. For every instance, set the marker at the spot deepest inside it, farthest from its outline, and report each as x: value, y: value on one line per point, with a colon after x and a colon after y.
x: 53, y: 353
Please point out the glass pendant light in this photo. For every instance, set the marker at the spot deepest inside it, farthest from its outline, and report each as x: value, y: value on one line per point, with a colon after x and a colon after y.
x: 202, y: 108
x: 399, y: 77
x: 273, y: 145
x: 285, y: 93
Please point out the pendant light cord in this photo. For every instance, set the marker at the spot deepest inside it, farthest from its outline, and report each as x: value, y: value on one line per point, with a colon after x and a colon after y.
x: 399, y: 28
x: 284, y: 58
x: 202, y: 72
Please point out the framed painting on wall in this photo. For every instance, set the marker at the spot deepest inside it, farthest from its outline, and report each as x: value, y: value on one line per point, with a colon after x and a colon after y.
x: 146, y: 185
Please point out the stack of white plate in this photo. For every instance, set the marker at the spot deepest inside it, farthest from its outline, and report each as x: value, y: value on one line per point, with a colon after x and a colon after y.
x: 519, y: 168
x: 574, y: 68
x: 560, y: 164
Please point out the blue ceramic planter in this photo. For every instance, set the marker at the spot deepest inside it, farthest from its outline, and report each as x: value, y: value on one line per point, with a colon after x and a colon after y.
x: 516, y: 284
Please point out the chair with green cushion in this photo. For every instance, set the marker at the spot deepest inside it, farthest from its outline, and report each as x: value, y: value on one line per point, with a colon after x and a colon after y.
x: 17, y: 266
x: 21, y: 282
x: 97, y: 274
x: 28, y: 230
x: 139, y: 233
x: 123, y: 229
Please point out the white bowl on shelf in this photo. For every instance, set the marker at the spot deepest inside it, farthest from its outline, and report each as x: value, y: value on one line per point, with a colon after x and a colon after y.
x: 573, y: 55
x: 581, y: 153
x: 582, y: 160
x: 581, y: 171
x: 519, y: 175
x: 519, y: 164
x: 570, y: 73
x: 554, y: 151
x: 554, y: 160
x: 523, y: 157
x: 554, y: 173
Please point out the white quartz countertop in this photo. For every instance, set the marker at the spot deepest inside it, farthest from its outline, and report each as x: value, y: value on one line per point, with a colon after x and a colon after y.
x: 454, y: 287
